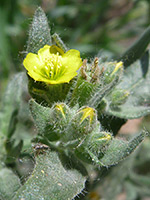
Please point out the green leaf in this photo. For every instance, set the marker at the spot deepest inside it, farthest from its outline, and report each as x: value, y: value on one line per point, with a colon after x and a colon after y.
x: 136, y: 80
x: 40, y: 114
x: 140, y: 179
x: 129, y: 112
x: 137, y: 49
x: 50, y: 180
x: 9, y: 184
x: 120, y: 149
x: 39, y: 33
x: 11, y: 104
x: 44, y: 121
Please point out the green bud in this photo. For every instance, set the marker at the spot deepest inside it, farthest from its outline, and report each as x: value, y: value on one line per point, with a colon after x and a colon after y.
x: 87, y: 83
x: 99, y: 140
x: 50, y: 122
x: 60, y: 111
x: 92, y: 149
x: 95, y: 72
x: 83, y: 90
x: 59, y: 119
x: 119, y: 97
x: 112, y: 70
x: 83, y: 122
x: 59, y: 42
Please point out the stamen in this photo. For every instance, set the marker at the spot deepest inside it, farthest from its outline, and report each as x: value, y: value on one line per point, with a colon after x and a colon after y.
x: 53, y: 64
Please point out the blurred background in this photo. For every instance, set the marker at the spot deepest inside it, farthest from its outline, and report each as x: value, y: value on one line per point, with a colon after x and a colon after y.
x: 91, y: 26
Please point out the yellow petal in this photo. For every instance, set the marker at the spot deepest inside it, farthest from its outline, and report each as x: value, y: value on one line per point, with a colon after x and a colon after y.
x: 66, y: 77
x: 32, y: 62
x: 44, y: 52
x: 72, y: 52
x: 72, y: 60
x: 37, y: 76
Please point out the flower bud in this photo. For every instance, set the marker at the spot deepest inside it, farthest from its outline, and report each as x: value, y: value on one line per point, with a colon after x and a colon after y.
x: 98, y: 141
x: 83, y: 122
x: 61, y: 114
x: 112, y: 70
x: 59, y: 120
x: 93, y: 147
x: 95, y: 72
x: 119, y: 97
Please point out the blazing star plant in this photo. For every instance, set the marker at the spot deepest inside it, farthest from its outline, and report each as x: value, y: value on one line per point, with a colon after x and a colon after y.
x: 77, y: 108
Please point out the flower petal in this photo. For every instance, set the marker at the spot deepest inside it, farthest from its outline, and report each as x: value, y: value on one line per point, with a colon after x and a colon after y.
x: 72, y: 60
x: 37, y: 76
x: 66, y: 77
x: 32, y: 62
x: 72, y: 52
x: 44, y: 52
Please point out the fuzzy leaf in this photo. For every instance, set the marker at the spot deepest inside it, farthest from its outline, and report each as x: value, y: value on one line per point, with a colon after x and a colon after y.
x: 11, y: 103
x: 50, y: 180
x: 120, y: 149
x: 136, y: 80
x: 39, y: 33
x: 44, y: 121
x: 40, y: 114
x: 9, y: 184
x: 129, y: 112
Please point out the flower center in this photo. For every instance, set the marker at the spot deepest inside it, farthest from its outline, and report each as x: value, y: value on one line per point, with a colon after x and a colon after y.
x: 53, y: 66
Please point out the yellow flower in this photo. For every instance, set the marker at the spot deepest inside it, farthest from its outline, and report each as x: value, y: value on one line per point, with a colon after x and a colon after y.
x: 51, y: 65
